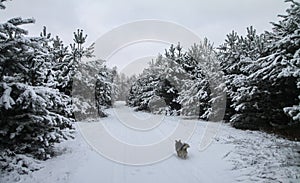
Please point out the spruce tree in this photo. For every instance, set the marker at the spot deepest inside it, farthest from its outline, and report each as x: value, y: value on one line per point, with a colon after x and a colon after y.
x: 279, y: 72
x: 33, y: 115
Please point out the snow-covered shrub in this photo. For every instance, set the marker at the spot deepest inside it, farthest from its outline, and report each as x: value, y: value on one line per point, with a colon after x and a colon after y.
x: 21, y: 164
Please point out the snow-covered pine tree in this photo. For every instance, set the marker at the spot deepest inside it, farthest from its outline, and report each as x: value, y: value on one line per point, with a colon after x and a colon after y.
x: 105, y: 87
x: 262, y: 76
x: 67, y: 60
x: 279, y: 73
x: 83, y: 90
x: 203, y: 88
x: 33, y: 115
x: 92, y: 89
x: 82, y: 80
x: 143, y: 91
x: 172, y: 76
x: 196, y: 93
x: 179, y: 81
x: 157, y: 88
x: 237, y: 58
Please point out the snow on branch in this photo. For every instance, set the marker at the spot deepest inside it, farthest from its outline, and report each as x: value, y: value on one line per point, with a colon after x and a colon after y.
x: 19, y: 21
x: 6, y: 101
x: 2, y: 6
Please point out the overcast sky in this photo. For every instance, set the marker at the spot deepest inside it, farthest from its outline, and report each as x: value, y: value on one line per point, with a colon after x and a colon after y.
x: 207, y: 18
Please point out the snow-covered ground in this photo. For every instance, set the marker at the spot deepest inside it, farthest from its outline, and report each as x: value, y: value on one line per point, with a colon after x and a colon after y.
x: 233, y: 156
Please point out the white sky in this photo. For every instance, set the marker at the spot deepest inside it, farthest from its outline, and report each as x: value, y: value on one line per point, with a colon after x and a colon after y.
x: 207, y: 18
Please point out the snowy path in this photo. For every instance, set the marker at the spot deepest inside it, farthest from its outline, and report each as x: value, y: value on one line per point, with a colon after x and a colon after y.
x: 234, y: 155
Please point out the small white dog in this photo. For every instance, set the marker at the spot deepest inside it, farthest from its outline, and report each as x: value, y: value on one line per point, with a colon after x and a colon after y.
x: 181, y: 149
